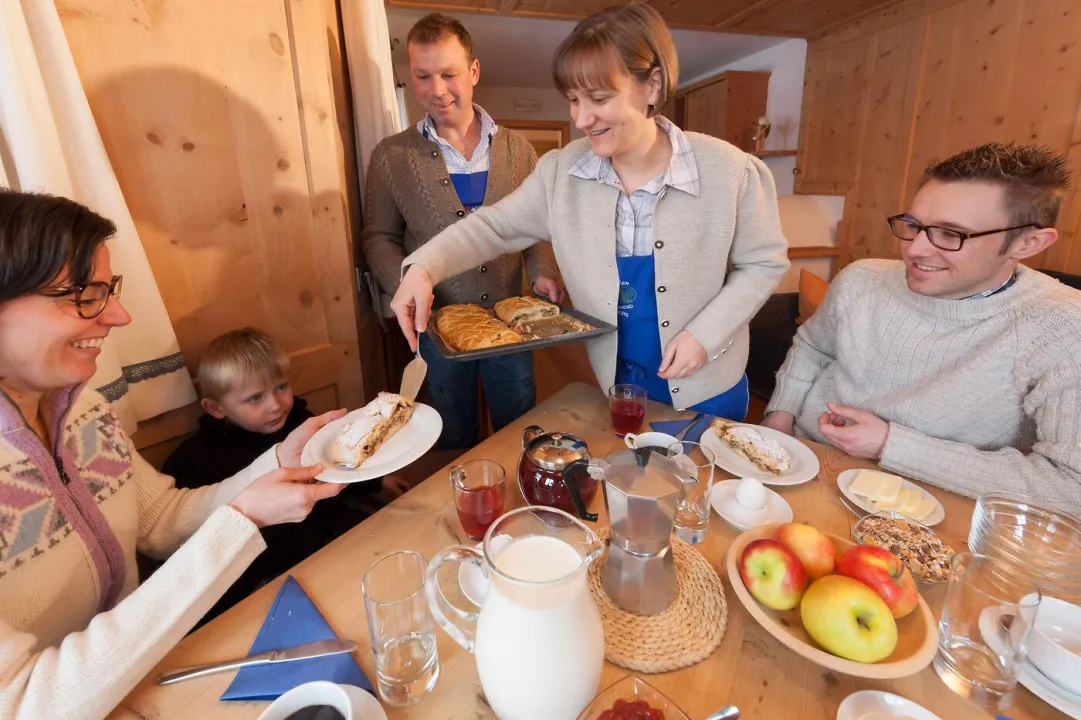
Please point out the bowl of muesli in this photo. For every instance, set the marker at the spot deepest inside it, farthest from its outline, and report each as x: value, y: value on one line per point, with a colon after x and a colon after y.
x: 922, y: 551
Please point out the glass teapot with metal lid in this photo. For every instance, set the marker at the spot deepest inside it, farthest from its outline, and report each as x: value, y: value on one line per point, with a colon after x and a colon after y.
x: 553, y: 471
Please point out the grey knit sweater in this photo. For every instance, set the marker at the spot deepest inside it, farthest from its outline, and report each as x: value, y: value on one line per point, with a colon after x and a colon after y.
x: 718, y: 256
x: 981, y: 394
x: 409, y: 199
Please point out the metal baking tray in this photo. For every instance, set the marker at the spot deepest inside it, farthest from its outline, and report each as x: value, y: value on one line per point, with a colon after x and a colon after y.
x: 599, y: 328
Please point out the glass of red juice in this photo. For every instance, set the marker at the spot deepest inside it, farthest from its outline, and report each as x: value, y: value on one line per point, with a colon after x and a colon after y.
x: 479, y: 494
x: 627, y: 405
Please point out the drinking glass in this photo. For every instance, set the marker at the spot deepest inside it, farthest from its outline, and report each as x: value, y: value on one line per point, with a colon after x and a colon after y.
x: 692, y: 511
x: 982, y: 637
x: 627, y: 405
x: 479, y: 494
x: 401, y: 628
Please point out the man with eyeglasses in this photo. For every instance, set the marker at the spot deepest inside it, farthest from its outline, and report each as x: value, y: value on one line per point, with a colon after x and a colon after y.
x: 956, y: 365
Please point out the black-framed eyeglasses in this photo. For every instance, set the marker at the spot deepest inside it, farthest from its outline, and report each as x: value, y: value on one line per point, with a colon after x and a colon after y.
x: 942, y: 238
x: 90, y: 299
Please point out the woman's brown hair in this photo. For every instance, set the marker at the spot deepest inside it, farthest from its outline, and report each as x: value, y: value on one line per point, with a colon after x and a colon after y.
x: 46, y: 242
x: 631, y: 39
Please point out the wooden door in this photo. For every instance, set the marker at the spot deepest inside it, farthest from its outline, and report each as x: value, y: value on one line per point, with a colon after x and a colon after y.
x: 222, y: 124
x: 831, y: 121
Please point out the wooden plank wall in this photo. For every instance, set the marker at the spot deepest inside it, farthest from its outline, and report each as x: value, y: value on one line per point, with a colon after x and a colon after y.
x: 888, y: 94
x: 229, y: 128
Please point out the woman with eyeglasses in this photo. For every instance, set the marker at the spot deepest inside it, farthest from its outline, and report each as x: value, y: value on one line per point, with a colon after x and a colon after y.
x: 672, y: 236
x: 77, y: 631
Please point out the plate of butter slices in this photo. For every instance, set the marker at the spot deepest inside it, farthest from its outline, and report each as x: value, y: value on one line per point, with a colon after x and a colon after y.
x: 383, y: 436
x: 762, y: 453
x: 876, y: 491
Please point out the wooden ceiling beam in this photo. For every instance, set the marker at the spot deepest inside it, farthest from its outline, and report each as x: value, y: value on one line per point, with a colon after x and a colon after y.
x: 737, y: 16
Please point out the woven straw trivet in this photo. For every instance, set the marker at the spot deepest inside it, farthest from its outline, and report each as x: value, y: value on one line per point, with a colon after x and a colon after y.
x: 684, y: 634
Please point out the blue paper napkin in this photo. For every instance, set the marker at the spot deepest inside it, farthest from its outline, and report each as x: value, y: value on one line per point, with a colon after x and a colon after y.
x: 293, y: 620
x: 674, y: 427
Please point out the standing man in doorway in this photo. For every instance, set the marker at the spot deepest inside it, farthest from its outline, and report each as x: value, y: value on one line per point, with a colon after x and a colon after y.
x: 427, y: 177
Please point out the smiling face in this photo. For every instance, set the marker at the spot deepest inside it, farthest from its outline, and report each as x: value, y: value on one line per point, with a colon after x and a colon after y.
x: 45, y: 345
x: 980, y: 264
x: 616, y: 119
x: 443, y: 79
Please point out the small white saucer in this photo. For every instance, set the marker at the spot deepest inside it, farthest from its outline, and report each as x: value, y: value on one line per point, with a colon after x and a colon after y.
x: 878, y: 705
x: 474, y: 584
x: 349, y: 700
x: 723, y: 500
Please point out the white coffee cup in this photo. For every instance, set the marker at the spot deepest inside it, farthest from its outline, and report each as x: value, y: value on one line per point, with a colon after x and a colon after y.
x: 351, y: 701
x: 751, y: 494
x: 649, y: 439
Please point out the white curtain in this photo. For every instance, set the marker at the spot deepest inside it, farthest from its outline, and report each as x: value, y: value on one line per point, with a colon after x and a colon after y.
x: 376, y: 111
x: 49, y: 143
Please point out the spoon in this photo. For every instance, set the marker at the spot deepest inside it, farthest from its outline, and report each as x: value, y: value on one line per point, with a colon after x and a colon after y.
x: 726, y: 713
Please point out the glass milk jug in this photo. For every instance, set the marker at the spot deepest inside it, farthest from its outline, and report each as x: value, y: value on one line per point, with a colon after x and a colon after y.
x: 538, y: 638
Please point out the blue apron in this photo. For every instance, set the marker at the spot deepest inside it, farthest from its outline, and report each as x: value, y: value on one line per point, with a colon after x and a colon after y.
x: 639, y: 342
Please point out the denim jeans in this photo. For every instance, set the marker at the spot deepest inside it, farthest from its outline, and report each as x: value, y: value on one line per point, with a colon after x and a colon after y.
x: 509, y: 388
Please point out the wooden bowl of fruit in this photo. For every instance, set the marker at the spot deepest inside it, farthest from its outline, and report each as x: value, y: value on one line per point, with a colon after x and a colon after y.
x: 854, y: 609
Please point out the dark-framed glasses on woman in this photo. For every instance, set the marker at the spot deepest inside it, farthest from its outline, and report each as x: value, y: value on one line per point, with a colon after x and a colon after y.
x: 942, y: 238
x: 90, y: 299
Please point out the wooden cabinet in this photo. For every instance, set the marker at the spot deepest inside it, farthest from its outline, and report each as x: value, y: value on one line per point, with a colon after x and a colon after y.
x: 726, y: 106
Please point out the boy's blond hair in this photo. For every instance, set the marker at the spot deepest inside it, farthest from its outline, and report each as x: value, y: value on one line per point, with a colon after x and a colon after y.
x: 236, y: 356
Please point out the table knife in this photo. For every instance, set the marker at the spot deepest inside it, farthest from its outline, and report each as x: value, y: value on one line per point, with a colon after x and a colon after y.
x: 319, y: 648
x: 683, y: 433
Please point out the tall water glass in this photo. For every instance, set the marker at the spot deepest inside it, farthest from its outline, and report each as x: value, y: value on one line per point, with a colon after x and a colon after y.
x: 692, y: 511
x: 401, y: 628
x: 983, y: 634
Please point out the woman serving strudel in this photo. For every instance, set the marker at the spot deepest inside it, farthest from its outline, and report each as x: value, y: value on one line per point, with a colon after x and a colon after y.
x: 674, y: 237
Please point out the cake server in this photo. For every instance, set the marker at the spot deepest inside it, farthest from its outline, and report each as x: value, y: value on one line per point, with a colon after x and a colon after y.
x: 413, y: 377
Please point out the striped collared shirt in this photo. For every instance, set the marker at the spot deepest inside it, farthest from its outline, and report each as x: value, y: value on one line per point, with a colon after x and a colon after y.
x: 634, y: 212
x: 456, y: 162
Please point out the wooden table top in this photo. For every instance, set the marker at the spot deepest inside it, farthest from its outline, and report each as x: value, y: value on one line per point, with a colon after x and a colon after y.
x: 749, y: 669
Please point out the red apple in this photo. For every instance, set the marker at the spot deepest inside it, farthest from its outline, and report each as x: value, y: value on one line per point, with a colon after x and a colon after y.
x: 883, y: 572
x: 773, y: 574
x: 848, y: 619
x: 811, y: 546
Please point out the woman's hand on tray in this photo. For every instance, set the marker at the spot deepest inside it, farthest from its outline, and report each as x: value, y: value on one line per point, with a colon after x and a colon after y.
x: 549, y: 288
x: 412, y: 304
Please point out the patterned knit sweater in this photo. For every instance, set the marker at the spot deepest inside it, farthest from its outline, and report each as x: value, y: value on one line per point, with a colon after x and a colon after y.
x: 409, y: 199
x: 76, y: 634
x: 981, y: 395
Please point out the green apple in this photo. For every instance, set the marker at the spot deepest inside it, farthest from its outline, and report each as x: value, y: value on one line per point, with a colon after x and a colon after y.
x: 773, y: 574
x: 848, y: 619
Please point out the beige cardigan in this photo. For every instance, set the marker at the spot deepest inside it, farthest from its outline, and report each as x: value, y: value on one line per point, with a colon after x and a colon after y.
x: 718, y: 256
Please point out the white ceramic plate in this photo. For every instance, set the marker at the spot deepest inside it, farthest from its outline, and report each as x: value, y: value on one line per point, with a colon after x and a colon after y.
x: 844, y: 482
x: 405, y: 446
x: 803, y: 465
x: 1030, y: 676
x: 878, y: 705
x: 723, y: 500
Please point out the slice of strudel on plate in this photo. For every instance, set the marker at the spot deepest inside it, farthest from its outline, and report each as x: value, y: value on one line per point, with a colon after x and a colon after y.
x: 365, y: 433
x: 765, y: 454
